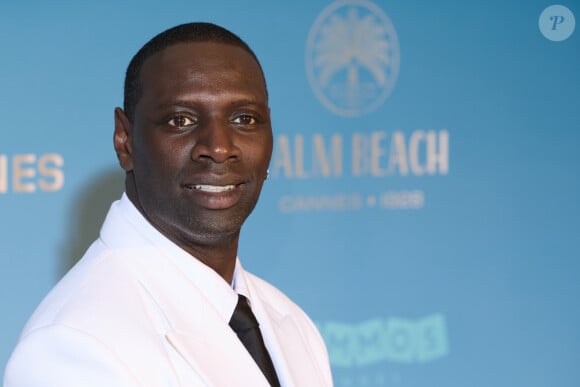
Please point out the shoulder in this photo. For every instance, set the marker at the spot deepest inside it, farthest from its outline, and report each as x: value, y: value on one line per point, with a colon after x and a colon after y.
x: 98, y: 285
x: 98, y: 317
x: 64, y: 356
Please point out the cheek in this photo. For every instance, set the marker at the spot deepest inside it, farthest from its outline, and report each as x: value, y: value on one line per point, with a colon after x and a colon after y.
x: 162, y: 156
x: 258, y: 160
x: 158, y: 177
x: 260, y: 152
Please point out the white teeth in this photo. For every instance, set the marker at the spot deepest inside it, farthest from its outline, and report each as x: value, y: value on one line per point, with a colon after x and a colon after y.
x: 214, y: 188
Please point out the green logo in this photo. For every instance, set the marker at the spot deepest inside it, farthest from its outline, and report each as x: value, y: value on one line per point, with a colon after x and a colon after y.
x: 378, y: 340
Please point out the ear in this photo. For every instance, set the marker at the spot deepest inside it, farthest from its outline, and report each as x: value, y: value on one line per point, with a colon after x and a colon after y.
x: 122, y: 140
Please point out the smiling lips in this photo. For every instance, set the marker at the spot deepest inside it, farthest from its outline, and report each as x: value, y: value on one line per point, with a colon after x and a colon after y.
x: 212, y: 188
x: 216, y: 197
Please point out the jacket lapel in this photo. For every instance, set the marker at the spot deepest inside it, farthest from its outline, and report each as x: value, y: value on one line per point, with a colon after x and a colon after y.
x: 217, y: 362
x: 295, y: 364
x: 194, y: 328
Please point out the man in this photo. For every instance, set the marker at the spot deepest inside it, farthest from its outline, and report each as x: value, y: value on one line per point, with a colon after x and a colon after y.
x: 151, y: 301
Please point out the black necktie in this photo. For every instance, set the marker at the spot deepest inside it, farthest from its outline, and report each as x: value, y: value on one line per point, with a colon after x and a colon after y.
x: 244, y: 323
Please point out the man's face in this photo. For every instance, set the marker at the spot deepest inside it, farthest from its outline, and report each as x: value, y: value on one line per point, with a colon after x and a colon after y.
x: 200, y: 142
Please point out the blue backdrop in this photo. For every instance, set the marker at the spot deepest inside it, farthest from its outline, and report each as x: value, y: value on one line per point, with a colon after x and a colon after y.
x: 423, y: 204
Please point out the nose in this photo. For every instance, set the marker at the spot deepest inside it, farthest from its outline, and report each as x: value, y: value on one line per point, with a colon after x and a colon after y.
x: 215, y: 142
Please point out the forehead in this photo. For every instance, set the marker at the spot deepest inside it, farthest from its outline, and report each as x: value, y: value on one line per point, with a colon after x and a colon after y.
x: 211, y: 65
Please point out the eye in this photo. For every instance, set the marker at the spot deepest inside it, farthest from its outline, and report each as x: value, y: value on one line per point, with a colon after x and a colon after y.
x: 244, y: 119
x: 181, y: 121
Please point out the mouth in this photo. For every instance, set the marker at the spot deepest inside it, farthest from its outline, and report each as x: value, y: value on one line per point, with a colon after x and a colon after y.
x: 215, y: 196
x: 211, y: 188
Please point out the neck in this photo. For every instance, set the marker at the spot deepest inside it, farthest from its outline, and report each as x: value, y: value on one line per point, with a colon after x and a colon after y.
x: 220, y: 256
x: 219, y: 252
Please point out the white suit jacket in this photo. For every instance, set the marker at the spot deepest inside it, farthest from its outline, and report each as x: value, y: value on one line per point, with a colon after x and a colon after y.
x: 126, y: 315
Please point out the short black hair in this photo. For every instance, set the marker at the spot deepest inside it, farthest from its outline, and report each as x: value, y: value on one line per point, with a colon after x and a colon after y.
x: 184, y: 33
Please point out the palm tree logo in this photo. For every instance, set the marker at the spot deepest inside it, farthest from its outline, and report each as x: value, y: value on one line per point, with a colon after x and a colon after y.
x: 352, y: 57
